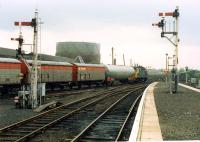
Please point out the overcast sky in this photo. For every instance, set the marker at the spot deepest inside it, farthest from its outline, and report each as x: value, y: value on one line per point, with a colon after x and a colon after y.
x: 122, y: 24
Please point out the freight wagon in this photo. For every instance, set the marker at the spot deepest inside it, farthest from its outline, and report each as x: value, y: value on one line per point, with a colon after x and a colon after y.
x: 10, y: 74
x: 88, y: 74
x: 54, y: 74
x: 59, y: 74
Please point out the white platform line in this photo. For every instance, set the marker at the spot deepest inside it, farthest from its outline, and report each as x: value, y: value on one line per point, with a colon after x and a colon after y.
x: 189, y: 87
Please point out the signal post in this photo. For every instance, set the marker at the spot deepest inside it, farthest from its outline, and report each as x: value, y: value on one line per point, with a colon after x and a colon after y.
x: 33, y: 70
x: 174, y: 40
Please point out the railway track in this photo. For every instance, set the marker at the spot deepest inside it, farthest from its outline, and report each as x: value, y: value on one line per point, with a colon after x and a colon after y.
x: 111, y: 124
x: 64, y: 117
x: 62, y: 96
x: 59, y: 96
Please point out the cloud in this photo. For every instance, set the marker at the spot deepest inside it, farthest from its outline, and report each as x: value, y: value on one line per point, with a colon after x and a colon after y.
x: 125, y: 39
x: 123, y: 24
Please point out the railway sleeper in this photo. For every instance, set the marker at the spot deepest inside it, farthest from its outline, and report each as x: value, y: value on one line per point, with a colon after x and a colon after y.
x: 112, y: 121
x: 115, y: 116
x: 8, y: 139
x: 30, y: 127
x: 70, y: 108
x: 10, y: 134
x: 40, y: 122
x: 33, y: 125
x: 108, y: 131
x: 106, y: 128
x: 54, y: 129
x: 46, y: 140
x: 22, y: 131
x: 58, y: 114
x: 45, y: 119
x: 50, y: 117
x: 89, y: 138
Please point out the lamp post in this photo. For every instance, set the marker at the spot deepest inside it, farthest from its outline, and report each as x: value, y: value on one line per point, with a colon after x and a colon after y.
x: 186, y: 70
x: 166, y: 70
x: 170, y: 86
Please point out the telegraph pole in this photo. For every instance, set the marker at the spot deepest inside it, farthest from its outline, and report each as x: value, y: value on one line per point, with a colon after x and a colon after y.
x: 114, y: 62
x: 175, y: 42
x: 124, y: 60
x: 112, y: 55
x: 170, y: 85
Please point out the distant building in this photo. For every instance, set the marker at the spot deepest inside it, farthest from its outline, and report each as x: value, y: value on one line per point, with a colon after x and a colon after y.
x: 11, y: 53
x: 90, y: 52
x: 7, y: 53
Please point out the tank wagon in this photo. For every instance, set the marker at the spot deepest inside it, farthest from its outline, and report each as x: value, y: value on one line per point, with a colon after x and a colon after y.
x: 122, y: 74
x: 10, y: 73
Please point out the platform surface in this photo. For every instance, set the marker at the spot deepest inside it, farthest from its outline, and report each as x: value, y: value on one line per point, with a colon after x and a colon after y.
x: 179, y: 114
x: 164, y: 116
x: 150, y: 128
x: 146, y: 126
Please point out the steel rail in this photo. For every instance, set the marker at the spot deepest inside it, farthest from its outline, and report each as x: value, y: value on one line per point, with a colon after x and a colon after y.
x: 61, y: 118
x: 53, y: 122
x: 128, y: 116
x: 78, y: 137
x: 52, y: 110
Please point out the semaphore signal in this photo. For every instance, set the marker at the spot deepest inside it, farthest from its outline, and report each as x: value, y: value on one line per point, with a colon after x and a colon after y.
x: 174, y: 39
x: 23, y: 23
x: 33, y: 69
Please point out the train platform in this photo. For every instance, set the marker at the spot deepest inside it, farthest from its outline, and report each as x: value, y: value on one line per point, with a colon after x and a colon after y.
x: 164, y: 116
x: 146, y: 126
